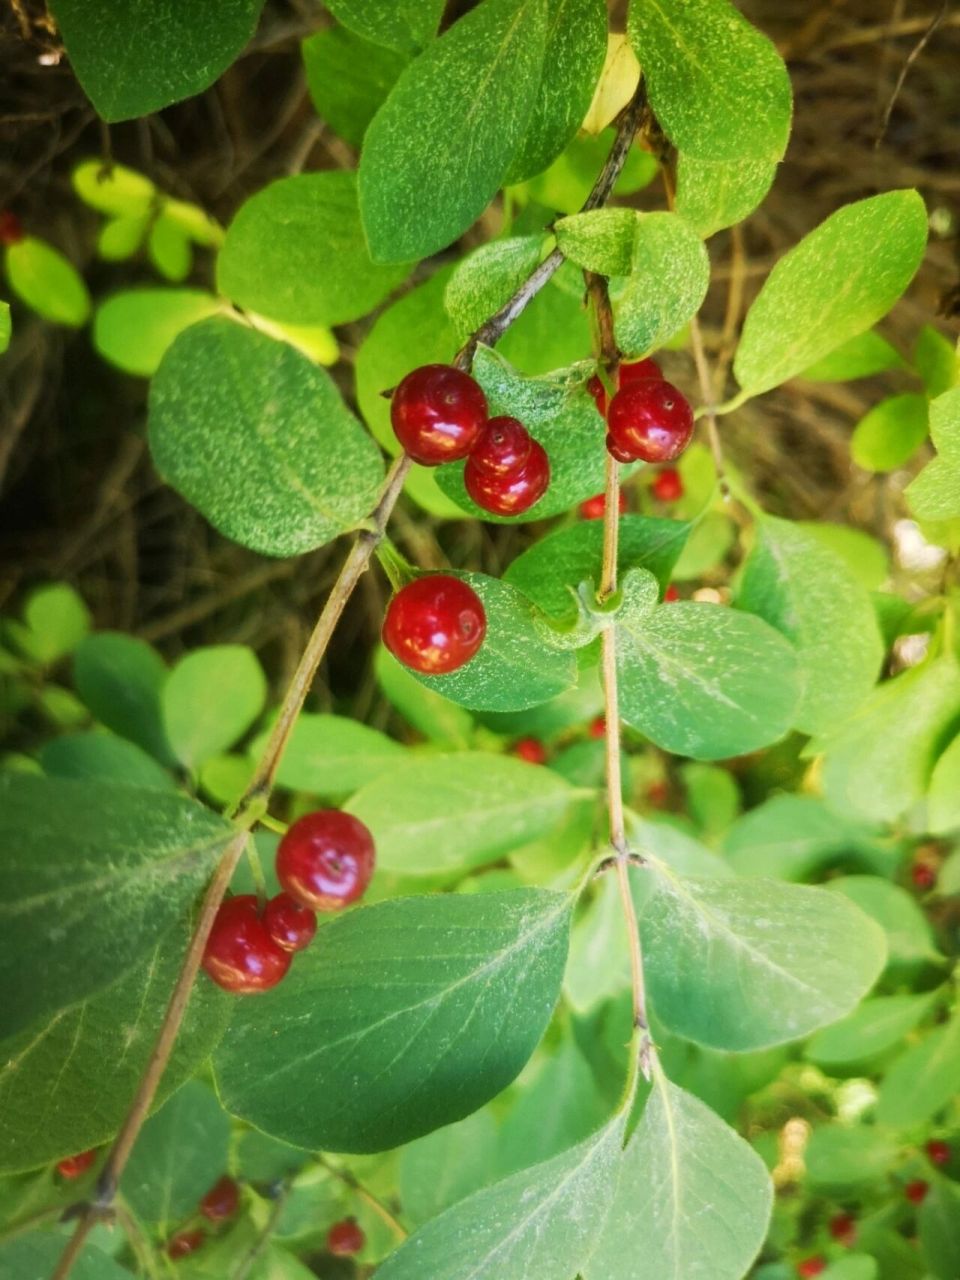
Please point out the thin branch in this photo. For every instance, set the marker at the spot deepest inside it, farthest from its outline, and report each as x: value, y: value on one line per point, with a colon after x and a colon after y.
x: 911, y: 58
x: 259, y: 1246
x: 367, y: 1196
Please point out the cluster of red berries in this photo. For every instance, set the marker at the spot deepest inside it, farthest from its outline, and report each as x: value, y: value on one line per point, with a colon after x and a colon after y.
x: 324, y: 863
x: 439, y: 414
x: 11, y: 228
x: 648, y: 419
x: 435, y: 624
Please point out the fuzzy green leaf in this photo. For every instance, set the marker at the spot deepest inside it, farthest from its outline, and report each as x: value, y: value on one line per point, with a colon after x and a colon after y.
x: 406, y: 25
x: 667, y: 283
x: 119, y: 679
x: 875, y: 1026
x: 859, y: 357
x: 134, y: 328
x: 348, y: 77
x: 890, y: 433
x: 601, y: 240
x: 333, y: 755
x: 486, y: 278
x: 935, y: 493
x: 712, y: 195
x: 922, y: 1080
x: 943, y: 798
x: 105, y: 756
x: 210, y: 699
x: 47, y: 282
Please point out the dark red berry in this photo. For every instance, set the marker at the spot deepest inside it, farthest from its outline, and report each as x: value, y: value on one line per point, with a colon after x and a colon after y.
x: 513, y: 492
x: 598, y: 727
x: 185, y: 1242
x: 599, y: 393
x: 916, y: 1191
x: 615, y: 450
x: 290, y: 924
x: 650, y: 420
x: 923, y: 875
x: 671, y: 594
x: 74, y: 1166
x: 811, y: 1267
x: 11, y: 228
x: 594, y: 507
x: 437, y: 413
x: 435, y: 624
x: 345, y: 1238
x: 637, y: 371
x: 502, y: 447
x: 326, y: 859
x: 221, y: 1200
x: 843, y: 1228
x: 658, y: 793
x: 668, y: 486
x: 938, y: 1151
x: 530, y: 749
x: 240, y: 955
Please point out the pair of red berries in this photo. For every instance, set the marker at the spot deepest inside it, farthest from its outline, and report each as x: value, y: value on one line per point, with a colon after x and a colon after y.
x: 220, y: 1203
x: 324, y: 863
x: 439, y: 414
x: 435, y: 624
x: 648, y: 419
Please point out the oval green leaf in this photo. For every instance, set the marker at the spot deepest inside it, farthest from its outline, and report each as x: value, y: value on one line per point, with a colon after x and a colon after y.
x: 210, y: 699
x: 47, y: 282
x: 133, y: 329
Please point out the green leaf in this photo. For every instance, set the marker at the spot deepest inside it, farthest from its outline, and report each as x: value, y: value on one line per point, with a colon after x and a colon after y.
x: 120, y: 238
x: 879, y: 763
x: 180, y: 1154
x: 890, y: 433
x: 400, y: 1018
x: 716, y: 84
x: 743, y: 964
x: 939, y: 1223
x: 693, y: 1201
x: 55, y: 621
x: 808, y: 594
x: 873, y: 246
x: 667, y: 284
x: 791, y: 837
x: 6, y: 326
x: 104, y: 756
x: 567, y: 183
x: 443, y: 814
x: 712, y: 195
x: 440, y: 146
x: 576, y: 46
x: 910, y: 940
x: 854, y: 1266
x: 446, y: 1166
x: 119, y: 678
x: 258, y: 439
x: 945, y: 424
x: 295, y: 251
x: 133, y: 329
x: 113, y: 189
x: 432, y: 715
x: 514, y: 668
x: 65, y: 1086
x: 840, y: 1158
x: 867, y: 557
x: 348, y: 77
x: 545, y: 1221
x: 935, y: 359
x: 935, y: 493
x: 601, y: 240
x: 943, y: 797
x: 36, y: 1255
x: 406, y: 25
x: 332, y: 755
x: 556, y: 564
x: 211, y: 698
x: 131, y: 61
x: 923, y: 1080
x: 109, y: 869
x: 875, y: 1026
x: 484, y: 280
x: 43, y: 278
x: 859, y: 357
x: 168, y: 248
x: 705, y: 681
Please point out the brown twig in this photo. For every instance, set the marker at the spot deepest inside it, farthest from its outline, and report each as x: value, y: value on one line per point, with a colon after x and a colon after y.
x: 367, y: 1196
x: 259, y: 1246
x: 911, y: 58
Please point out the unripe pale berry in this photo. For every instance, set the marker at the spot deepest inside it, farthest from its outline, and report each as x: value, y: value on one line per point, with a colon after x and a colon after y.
x: 325, y: 860
x: 437, y: 412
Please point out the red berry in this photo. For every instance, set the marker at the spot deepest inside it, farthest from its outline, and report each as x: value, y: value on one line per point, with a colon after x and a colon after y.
x: 650, y: 420
x: 502, y: 447
x: 345, y: 1238
x: 594, y: 507
x: 938, y: 1151
x: 221, y: 1200
x: 291, y: 925
x: 240, y: 955
x: 599, y: 393
x: 74, y: 1166
x: 513, y: 492
x: 615, y: 450
x: 658, y: 793
x: 668, y: 487
x: 811, y: 1266
x: 843, y: 1228
x: 11, y: 229
x: 325, y: 860
x: 435, y: 624
x: 916, y: 1191
x: 530, y: 749
x: 923, y: 875
x: 637, y: 371
x: 437, y: 412
x: 671, y: 594
x: 185, y: 1242
x: 598, y: 727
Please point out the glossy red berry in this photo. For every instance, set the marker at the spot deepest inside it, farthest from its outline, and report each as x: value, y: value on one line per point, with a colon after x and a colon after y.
x: 616, y: 451
x: 345, y: 1238
x: 843, y: 1228
x: 512, y: 492
x: 598, y: 727
x: 923, y: 875
x: 658, y: 793
x: 811, y: 1267
x: 671, y: 594
x: 637, y: 371
x: 938, y: 1151
x: 240, y: 955
x: 531, y: 750
x: 916, y: 1191
x: 221, y: 1200
x: 594, y: 507
x: 74, y: 1166
x: 325, y: 860
x: 599, y: 393
x: 503, y: 446
x: 11, y: 229
x: 650, y: 420
x: 437, y: 413
x: 435, y: 624
x: 668, y: 486
x: 185, y: 1242
x: 291, y: 925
